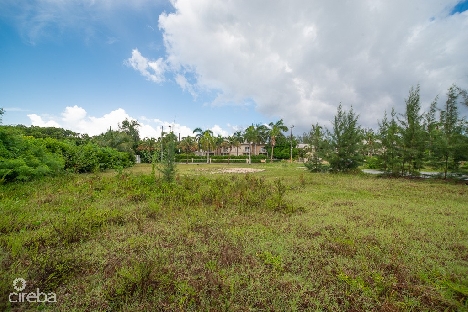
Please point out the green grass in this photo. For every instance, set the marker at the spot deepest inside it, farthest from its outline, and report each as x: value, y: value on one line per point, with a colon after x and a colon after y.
x: 282, y: 239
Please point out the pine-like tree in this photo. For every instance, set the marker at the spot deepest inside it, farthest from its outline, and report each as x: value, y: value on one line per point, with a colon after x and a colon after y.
x: 412, y: 133
x: 390, y: 142
x: 451, y: 143
x: 345, y: 141
x: 318, y: 148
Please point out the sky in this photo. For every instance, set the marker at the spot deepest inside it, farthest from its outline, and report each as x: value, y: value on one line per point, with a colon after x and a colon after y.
x: 86, y: 65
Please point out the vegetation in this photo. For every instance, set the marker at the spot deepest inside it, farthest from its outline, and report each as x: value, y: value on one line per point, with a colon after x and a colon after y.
x: 280, y: 239
x: 24, y: 157
x: 403, y: 145
x: 275, y: 130
x: 168, y: 164
x: 345, y: 142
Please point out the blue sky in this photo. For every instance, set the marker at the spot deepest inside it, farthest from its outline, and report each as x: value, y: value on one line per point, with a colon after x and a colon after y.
x: 86, y: 65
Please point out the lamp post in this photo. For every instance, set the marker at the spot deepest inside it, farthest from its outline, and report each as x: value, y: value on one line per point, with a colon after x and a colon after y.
x: 291, y: 142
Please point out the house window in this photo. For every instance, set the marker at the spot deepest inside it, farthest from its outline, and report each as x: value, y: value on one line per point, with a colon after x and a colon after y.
x: 247, y: 149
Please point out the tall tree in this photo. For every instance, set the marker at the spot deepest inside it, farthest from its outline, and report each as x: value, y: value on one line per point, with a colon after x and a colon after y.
x: 260, y: 136
x: 346, y: 141
x: 130, y: 127
x: 431, y: 128
x: 412, y: 132
x: 318, y: 148
x: 275, y: 129
x: 218, y: 142
x: 205, y: 140
x: 119, y: 140
x: 390, y: 140
x: 249, y: 136
x: 451, y: 139
x: 238, y: 138
x: 229, y: 143
x: 168, y: 165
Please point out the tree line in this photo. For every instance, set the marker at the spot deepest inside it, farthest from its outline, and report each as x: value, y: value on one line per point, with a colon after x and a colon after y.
x: 403, y: 144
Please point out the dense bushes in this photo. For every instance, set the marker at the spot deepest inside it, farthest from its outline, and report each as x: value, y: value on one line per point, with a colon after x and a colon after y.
x: 25, y: 157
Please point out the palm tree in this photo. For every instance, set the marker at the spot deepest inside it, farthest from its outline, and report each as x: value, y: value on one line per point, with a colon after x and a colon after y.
x: 256, y: 134
x: 274, y: 131
x: 261, y: 135
x: 218, y: 141
x: 228, y: 143
x: 249, y: 136
x: 205, y: 140
x: 188, y: 145
x: 237, y: 139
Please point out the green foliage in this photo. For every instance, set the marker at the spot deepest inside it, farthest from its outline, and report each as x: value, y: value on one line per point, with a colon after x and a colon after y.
x: 25, y: 157
x: 388, y: 134
x: 147, y: 148
x: 318, y: 150
x: 168, y: 164
x: 206, y: 141
x: 130, y: 127
x: 372, y: 162
x: 412, y: 134
x: 119, y: 140
x: 345, y: 142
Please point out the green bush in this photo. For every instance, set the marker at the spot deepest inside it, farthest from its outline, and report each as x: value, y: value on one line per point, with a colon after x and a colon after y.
x: 24, y: 157
x: 372, y: 162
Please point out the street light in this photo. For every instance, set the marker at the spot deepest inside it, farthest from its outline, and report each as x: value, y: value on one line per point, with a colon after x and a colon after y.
x: 291, y: 142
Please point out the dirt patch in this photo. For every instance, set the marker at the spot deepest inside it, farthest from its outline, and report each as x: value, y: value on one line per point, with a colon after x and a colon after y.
x: 237, y: 170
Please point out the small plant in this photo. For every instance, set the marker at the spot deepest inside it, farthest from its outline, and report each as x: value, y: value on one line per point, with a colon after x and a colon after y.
x: 168, y: 164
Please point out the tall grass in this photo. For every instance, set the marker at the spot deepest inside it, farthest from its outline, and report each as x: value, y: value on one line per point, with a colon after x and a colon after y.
x: 282, y: 239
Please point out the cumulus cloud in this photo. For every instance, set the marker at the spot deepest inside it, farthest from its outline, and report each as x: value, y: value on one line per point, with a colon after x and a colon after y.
x: 37, y: 120
x: 172, y: 126
x: 76, y: 118
x: 217, y: 130
x: 152, y: 70
x: 299, y: 59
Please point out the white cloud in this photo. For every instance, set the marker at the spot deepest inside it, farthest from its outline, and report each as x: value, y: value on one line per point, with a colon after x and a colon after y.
x: 299, y: 59
x: 152, y: 70
x: 174, y: 127
x: 217, y: 130
x: 37, y: 120
x: 75, y: 118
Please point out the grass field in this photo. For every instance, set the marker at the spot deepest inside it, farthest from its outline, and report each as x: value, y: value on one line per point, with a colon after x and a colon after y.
x: 282, y: 239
